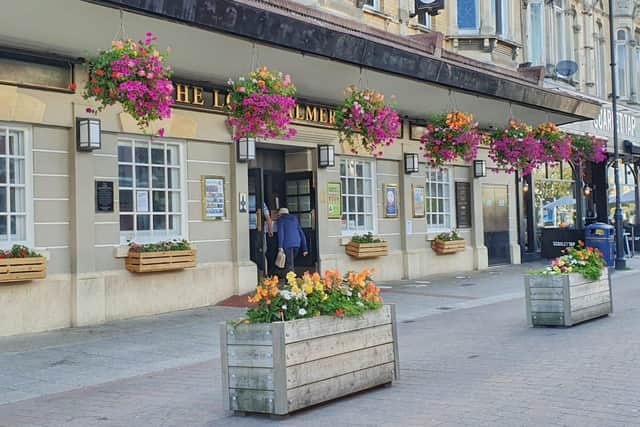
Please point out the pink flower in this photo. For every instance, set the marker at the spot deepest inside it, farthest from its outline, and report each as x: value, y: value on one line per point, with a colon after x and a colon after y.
x: 242, y: 89
x: 161, y: 132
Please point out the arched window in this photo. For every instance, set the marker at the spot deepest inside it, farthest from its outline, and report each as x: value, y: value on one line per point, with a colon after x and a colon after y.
x: 468, y: 15
x: 536, y: 32
x: 622, y: 63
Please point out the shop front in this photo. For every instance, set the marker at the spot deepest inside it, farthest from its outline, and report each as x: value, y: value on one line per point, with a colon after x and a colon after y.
x: 81, y: 208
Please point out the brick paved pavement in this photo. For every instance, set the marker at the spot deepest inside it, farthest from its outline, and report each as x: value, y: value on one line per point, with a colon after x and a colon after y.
x: 472, y: 366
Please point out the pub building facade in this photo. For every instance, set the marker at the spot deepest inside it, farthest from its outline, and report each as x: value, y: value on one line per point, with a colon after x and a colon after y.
x: 81, y: 208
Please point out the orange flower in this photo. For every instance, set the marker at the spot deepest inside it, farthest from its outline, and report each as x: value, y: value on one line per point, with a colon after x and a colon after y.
x: 261, y: 83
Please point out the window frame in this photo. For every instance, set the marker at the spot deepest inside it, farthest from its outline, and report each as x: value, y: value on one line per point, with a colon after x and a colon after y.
x: 469, y: 30
x: 375, y: 6
x: 183, y: 190
x: 29, y: 202
x: 431, y: 229
x: 622, y: 75
x: 503, y: 18
x: 600, y: 58
x: 374, y: 199
x: 542, y: 46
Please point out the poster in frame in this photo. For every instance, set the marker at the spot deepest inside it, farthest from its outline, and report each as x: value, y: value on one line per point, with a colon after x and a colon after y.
x: 390, y: 200
x: 213, y: 198
x: 417, y: 201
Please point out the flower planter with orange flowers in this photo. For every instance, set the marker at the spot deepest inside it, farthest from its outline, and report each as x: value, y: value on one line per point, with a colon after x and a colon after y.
x: 335, y: 338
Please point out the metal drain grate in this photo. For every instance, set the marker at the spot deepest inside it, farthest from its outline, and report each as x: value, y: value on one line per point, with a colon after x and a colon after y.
x: 469, y: 284
x: 444, y: 308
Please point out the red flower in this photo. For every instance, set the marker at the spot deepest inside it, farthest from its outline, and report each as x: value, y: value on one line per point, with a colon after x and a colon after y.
x: 97, y: 90
x: 73, y: 86
x: 99, y: 72
x: 339, y: 312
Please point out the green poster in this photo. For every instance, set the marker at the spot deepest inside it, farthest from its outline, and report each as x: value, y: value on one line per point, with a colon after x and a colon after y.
x: 334, y: 200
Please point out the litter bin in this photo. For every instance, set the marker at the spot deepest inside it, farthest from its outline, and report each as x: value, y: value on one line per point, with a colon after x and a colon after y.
x: 602, y: 236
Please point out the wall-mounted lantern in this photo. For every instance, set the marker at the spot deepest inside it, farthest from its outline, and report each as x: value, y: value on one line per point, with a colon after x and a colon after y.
x: 326, y: 156
x: 411, y: 163
x: 246, y: 148
x: 88, y: 136
x: 479, y: 168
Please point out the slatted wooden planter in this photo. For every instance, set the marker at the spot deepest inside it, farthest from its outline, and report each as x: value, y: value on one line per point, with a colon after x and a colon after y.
x: 566, y: 299
x: 148, y: 262
x: 367, y: 250
x: 277, y: 368
x: 446, y: 247
x: 22, y: 269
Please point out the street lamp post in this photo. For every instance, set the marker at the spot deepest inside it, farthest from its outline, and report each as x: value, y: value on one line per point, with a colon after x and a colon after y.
x: 621, y: 263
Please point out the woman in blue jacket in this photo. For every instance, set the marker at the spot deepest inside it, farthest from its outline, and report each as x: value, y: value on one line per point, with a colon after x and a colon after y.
x: 291, y: 238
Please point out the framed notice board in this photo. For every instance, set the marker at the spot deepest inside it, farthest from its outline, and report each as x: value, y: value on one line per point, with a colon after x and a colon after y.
x: 463, y: 204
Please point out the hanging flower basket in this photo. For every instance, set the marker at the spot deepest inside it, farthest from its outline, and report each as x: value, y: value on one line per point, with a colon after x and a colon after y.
x: 135, y: 75
x: 449, y: 137
x: 260, y: 105
x: 587, y: 149
x: 516, y: 149
x: 557, y: 146
x: 364, y: 120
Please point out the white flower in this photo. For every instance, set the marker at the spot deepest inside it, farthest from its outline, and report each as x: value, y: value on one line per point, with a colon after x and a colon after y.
x: 302, y: 312
x: 284, y: 307
x: 359, y: 303
x: 230, y: 82
x: 241, y: 79
x: 254, y: 80
x: 359, y: 296
x: 286, y: 294
x: 349, y: 293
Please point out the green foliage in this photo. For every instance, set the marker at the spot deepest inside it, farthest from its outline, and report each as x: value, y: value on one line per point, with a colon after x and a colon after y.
x: 587, y: 261
x: 366, y: 238
x: 449, y: 237
x: 169, y: 245
x: 19, y: 251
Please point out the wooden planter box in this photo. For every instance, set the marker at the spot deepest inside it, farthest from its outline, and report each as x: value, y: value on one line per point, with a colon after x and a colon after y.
x: 442, y: 247
x: 147, y: 262
x: 22, y: 269
x: 367, y: 250
x: 566, y: 299
x: 277, y: 368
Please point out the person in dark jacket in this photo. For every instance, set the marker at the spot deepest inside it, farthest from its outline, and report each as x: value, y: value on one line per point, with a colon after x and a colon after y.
x: 291, y: 238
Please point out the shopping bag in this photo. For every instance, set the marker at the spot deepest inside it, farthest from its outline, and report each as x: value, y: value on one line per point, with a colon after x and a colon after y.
x: 280, y: 258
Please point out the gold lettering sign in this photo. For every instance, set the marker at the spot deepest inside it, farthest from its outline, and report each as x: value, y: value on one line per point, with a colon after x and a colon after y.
x: 215, y: 100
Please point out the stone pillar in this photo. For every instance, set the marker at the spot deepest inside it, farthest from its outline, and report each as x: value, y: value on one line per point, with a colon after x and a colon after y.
x: 481, y: 254
x: 245, y: 270
x: 406, y: 214
x: 87, y: 288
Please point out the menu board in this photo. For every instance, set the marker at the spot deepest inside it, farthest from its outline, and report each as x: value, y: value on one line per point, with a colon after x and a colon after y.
x: 463, y: 204
x: 104, y: 196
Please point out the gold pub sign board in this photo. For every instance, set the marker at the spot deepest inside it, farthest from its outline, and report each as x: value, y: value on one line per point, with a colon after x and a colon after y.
x: 211, y: 99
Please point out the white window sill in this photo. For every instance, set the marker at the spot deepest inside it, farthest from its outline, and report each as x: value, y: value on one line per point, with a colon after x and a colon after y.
x: 370, y: 10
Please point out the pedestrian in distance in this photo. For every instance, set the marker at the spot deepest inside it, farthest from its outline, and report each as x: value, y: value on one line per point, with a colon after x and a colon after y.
x: 291, y: 238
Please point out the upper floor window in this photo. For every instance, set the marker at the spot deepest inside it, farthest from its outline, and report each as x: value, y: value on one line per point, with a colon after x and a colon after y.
x: 424, y: 19
x: 622, y: 63
x: 536, y: 34
x: 468, y: 15
x: 503, y: 14
x: 151, y: 190
x: 600, y: 58
x: 14, y: 217
x: 358, y: 213
x: 560, y: 32
x: 373, y: 4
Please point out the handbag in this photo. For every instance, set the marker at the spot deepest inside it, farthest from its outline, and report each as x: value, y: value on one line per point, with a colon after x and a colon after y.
x: 280, y: 258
